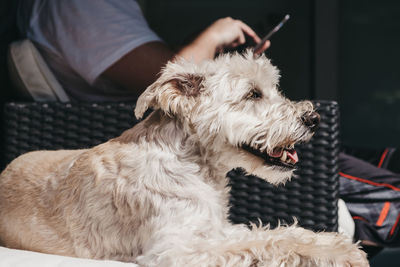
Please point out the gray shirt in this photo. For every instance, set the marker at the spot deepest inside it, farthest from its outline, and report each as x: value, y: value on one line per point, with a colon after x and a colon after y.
x: 80, y: 39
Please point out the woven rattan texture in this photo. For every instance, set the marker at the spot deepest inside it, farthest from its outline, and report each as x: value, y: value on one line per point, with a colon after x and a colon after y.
x: 310, y: 196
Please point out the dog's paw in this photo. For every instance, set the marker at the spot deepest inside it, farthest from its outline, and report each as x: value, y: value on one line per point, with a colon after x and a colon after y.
x: 358, y: 259
x: 354, y: 258
x: 339, y: 250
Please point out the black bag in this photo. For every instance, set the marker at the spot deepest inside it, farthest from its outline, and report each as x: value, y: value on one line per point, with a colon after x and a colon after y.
x: 372, y: 195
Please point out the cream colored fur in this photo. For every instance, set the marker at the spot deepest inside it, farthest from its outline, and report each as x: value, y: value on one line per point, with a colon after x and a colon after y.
x: 157, y: 195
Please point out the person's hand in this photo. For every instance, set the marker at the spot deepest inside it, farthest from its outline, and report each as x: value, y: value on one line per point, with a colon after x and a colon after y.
x: 230, y: 33
x: 222, y: 34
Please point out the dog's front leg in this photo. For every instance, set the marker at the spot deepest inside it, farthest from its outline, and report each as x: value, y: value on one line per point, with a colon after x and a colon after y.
x: 239, y: 246
x: 294, y: 246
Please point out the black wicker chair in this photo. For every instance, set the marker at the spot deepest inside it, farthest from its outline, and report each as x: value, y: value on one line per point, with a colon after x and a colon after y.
x: 311, y: 196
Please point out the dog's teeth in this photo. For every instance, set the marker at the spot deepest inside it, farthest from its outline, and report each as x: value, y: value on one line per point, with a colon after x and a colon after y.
x: 284, y: 156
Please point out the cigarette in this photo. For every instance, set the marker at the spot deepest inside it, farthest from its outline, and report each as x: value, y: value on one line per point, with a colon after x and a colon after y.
x: 274, y: 30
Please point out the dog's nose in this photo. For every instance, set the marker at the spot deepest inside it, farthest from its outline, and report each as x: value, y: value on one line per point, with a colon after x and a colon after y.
x: 311, y: 120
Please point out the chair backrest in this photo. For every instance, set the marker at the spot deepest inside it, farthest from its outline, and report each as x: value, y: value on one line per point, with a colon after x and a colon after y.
x: 311, y: 196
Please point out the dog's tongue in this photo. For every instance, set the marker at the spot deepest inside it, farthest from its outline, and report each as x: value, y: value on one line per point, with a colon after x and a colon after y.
x: 292, y: 154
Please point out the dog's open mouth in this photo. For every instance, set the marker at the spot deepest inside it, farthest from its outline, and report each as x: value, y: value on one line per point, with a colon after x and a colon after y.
x: 283, y: 157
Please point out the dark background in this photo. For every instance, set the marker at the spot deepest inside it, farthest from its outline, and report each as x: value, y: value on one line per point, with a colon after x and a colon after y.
x: 369, y: 72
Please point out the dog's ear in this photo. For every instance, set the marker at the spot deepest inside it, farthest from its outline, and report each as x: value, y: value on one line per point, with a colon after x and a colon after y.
x: 174, y: 95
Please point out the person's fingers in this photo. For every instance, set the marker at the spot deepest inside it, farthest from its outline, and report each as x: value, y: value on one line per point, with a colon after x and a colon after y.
x: 234, y: 45
x: 242, y: 38
x: 266, y: 45
x: 263, y: 47
x: 229, y: 32
x: 249, y: 31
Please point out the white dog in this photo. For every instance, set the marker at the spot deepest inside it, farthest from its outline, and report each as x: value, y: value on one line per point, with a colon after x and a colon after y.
x: 157, y: 195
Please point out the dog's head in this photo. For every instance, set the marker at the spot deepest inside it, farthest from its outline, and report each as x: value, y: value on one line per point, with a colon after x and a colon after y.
x: 233, y: 107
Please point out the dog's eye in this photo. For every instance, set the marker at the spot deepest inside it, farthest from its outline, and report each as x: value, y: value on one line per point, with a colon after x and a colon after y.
x: 254, y: 94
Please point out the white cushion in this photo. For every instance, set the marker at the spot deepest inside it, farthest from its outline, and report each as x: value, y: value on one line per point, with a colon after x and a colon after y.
x: 31, y: 75
x: 345, y: 221
x: 22, y: 258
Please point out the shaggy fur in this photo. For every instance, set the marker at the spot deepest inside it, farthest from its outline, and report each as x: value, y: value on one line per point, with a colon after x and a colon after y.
x: 157, y: 195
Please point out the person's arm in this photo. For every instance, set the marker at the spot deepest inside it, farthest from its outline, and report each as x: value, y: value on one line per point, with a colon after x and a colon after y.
x: 140, y: 67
